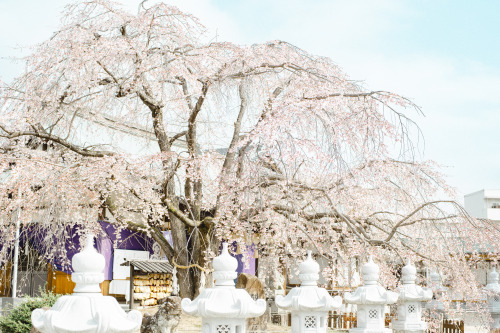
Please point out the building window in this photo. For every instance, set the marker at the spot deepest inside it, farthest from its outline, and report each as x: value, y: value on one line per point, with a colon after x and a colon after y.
x: 411, y: 308
x: 495, y: 205
x: 373, y: 314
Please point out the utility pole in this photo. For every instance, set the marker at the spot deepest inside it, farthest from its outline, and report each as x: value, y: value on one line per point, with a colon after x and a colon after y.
x: 16, y: 250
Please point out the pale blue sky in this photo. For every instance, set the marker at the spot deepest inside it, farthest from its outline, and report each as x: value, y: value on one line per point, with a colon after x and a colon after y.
x: 443, y: 54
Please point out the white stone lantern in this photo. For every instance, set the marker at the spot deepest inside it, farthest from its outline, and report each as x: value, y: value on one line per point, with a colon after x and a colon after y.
x: 410, y: 301
x: 86, y: 310
x: 371, y: 300
x: 435, y: 305
x: 493, y: 298
x: 224, y: 308
x: 308, y: 303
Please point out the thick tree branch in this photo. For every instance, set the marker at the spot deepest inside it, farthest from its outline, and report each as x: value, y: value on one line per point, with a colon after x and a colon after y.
x: 194, y: 187
x: 231, y: 152
x: 180, y: 215
x: 79, y: 150
x: 177, y: 136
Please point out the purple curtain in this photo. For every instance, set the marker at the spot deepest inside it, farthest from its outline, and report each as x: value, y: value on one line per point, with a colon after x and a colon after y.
x: 61, y: 252
x: 250, y: 263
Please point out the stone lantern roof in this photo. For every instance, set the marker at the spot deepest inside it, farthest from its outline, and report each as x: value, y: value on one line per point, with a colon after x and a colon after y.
x: 371, y: 292
x: 308, y: 297
x: 409, y: 291
x: 224, y: 300
x: 86, y: 310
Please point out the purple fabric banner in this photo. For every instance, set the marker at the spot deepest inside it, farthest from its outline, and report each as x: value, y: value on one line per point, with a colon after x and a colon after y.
x: 61, y: 248
x: 248, y: 266
x: 244, y: 267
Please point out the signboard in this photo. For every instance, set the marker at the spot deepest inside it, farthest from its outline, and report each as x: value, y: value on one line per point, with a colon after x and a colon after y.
x: 120, y: 256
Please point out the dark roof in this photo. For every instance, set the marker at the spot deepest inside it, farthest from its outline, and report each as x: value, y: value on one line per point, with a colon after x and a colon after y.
x: 150, y: 265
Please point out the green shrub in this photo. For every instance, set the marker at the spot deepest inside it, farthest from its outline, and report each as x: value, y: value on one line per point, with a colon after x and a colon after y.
x: 19, y: 318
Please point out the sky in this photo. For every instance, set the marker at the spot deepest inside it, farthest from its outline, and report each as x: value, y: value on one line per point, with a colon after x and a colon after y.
x: 442, y: 54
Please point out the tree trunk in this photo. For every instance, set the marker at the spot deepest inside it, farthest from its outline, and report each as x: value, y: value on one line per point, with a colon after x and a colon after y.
x: 181, y: 250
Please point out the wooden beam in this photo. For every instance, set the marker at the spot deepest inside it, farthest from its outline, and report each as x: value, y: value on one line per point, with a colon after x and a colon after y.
x: 131, y: 293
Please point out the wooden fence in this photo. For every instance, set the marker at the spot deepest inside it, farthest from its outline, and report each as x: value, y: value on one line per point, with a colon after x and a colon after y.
x: 342, y: 320
x: 347, y: 320
x: 453, y: 326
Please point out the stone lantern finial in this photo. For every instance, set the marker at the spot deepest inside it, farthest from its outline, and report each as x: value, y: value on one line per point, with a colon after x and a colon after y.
x: 409, y: 273
x: 225, y: 268
x: 370, y: 272
x: 435, y: 277
x: 86, y: 310
x: 493, y: 277
x: 88, y: 267
x: 308, y: 271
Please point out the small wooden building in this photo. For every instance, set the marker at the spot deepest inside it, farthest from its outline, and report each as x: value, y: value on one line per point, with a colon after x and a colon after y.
x: 150, y: 281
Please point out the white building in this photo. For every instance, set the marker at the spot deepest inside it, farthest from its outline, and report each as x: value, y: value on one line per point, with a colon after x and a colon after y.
x: 483, y: 204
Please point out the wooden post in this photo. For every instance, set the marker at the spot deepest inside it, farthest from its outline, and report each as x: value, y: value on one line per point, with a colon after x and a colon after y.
x: 131, y: 292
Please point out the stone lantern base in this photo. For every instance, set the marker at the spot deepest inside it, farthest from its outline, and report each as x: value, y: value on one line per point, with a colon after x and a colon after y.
x: 402, y: 326
x: 370, y: 330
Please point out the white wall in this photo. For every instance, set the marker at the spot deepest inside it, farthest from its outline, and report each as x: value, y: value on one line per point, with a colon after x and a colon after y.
x: 480, y: 204
x: 475, y: 204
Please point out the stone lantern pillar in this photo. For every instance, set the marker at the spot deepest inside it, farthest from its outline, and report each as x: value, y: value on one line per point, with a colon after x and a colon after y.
x: 493, y: 299
x: 371, y: 300
x: 410, y: 301
x: 224, y: 308
x: 308, y: 303
x: 86, y: 310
